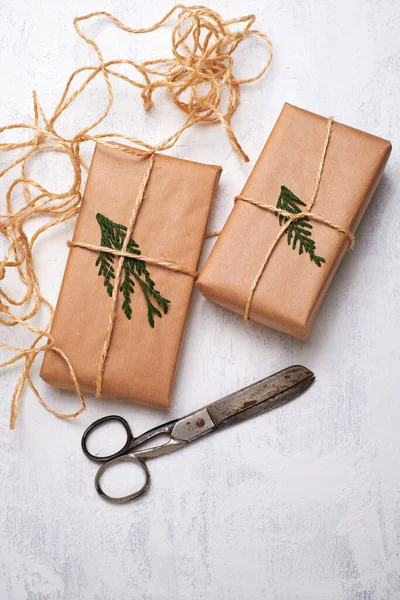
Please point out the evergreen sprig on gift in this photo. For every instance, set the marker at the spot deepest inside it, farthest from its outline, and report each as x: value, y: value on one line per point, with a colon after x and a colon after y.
x: 299, y: 231
x: 134, y: 270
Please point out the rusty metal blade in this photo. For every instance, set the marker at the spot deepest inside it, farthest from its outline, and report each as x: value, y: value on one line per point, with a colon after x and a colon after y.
x: 265, y: 395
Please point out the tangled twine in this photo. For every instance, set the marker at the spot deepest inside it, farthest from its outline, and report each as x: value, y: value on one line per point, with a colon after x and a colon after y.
x: 194, y: 77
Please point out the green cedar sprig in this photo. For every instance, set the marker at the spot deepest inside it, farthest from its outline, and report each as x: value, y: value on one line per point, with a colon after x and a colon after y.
x: 299, y: 231
x: 112, y: 236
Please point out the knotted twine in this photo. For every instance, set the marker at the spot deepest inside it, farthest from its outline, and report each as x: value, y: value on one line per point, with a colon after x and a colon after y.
x: 294, y: 217
x: 201, y: 68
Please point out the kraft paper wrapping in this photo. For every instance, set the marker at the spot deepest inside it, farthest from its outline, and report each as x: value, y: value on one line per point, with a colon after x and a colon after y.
x: 171, y: 224
x: 291, y: 289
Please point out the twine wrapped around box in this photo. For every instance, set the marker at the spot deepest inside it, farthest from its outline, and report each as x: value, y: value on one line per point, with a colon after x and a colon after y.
x: 311, y: 185
x: 290, y: 218
x: 294, y: 217
x: 167, y: 264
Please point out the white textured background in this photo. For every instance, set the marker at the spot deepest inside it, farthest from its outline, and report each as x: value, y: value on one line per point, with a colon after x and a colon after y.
x: 302, y: 504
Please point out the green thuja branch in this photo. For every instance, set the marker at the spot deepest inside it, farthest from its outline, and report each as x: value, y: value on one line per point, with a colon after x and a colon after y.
x: 112, y: 236
x: 298, y: 232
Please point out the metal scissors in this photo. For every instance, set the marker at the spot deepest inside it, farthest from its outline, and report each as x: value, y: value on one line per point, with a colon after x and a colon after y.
x: 256, y: 399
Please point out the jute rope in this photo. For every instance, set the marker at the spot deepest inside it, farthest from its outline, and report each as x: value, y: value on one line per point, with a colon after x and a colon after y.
x: 195, y: 76
x: 166, y: 263
x: 120, y: 263
x: 295, y: 217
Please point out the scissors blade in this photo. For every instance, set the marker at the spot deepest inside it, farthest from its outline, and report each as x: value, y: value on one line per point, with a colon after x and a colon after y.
x: 258, y: 398
x: 261, y: 397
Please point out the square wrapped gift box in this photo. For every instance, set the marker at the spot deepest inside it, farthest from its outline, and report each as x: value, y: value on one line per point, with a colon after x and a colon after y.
x: 295, y: 218
x: 152, y: 300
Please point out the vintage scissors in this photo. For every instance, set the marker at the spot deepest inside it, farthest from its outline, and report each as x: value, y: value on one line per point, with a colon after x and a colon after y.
x: 258, y: 398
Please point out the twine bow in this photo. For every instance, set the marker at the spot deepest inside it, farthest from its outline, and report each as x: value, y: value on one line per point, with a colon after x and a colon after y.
x: 195, y: 77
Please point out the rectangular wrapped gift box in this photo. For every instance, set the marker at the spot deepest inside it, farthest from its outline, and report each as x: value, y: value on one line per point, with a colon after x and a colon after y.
x: 292, y: 287
x: 171, y: 223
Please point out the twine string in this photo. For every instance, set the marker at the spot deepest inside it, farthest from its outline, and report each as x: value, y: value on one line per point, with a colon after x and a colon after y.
x: 194, y: 76
x: 166, y: 263
x: 118, y: 271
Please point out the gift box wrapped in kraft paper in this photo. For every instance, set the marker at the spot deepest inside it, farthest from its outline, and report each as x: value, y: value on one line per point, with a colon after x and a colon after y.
x: 123, y: 340
x: 294, y: 220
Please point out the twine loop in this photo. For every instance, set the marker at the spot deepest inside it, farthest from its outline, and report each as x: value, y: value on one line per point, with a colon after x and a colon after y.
x: 202, y: 46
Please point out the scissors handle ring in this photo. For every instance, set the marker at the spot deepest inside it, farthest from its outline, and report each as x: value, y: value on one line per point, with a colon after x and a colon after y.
x: 129, y: 497
x: 125, y: 448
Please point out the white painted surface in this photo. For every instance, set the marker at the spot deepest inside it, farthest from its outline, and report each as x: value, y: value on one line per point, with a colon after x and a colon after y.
x: 299, y: 505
